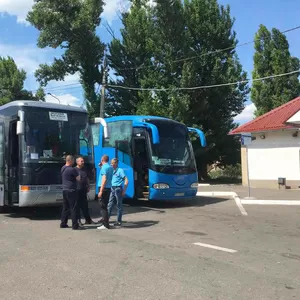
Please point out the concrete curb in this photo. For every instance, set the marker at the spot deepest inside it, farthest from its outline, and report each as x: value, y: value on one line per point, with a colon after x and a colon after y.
x: 233, y: 195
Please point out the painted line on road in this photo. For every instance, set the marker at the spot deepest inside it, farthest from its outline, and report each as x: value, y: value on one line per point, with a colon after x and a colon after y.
x: 215, y: 247
x: 240, y: 205
x: 233, y: 195
x: 203, y: 184
x: 216, y: 194
x: 270, y: 202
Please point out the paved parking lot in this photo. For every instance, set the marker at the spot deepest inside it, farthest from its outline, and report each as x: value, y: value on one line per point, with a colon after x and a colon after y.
x: 164, y: 251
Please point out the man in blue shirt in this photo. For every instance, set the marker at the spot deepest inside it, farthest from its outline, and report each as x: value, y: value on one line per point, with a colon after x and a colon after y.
x: 104, y: 191
x: 119, y: 185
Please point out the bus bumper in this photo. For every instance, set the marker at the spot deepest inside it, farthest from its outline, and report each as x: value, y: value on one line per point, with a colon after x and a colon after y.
x: 172, y: 194
x: 44, y: 195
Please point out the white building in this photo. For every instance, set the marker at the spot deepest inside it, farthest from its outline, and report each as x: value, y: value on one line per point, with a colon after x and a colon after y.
x: 271, y: 158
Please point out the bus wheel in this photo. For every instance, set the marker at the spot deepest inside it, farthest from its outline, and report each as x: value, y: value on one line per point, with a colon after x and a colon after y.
x: 4, y: 209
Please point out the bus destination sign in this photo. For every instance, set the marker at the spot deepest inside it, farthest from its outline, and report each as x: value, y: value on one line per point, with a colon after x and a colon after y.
x: 58, y: 116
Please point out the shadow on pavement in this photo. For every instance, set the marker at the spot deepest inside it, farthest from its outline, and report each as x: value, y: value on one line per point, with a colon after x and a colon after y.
x: 35, y: 213
x: 139, y: 224
x: 130, y: 207
x: 158, y: 205
x: 130, y: 225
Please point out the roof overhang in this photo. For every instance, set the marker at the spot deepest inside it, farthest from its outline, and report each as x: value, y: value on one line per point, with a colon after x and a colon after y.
x: 267, y: 130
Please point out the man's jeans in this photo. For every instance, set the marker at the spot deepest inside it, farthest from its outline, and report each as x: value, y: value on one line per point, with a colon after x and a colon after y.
x: 116, y: 198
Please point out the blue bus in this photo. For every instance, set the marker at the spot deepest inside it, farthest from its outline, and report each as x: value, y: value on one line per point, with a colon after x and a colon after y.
x: 156, y: 154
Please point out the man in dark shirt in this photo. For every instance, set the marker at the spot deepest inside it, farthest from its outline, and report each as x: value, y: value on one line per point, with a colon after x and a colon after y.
x: 69, y: 181
x: 83, y: 187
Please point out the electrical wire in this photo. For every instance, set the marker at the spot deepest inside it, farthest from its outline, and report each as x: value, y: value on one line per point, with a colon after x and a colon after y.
x: 204, y: 86
x: 211, y: 52
x: 77, y: 85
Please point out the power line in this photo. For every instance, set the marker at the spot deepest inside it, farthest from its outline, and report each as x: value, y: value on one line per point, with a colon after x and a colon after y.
x: 210, y: 52
x: 78, y: 84
x: 230, y: 48
x: 204, y: 86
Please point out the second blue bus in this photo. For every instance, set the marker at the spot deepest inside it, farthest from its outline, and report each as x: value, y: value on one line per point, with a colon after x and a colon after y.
x: 156, y: 154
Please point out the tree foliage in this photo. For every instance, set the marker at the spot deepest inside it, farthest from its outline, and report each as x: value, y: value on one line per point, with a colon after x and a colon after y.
x: 157, y: 42
x: 272, y: 57
x: 12, y: 82
x: 71, y: 25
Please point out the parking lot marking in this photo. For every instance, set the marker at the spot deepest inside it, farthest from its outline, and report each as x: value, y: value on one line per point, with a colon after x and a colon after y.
x: 240, y: 205
x: 271, y: 202
x: 233, y: 195
x: 215, y: 247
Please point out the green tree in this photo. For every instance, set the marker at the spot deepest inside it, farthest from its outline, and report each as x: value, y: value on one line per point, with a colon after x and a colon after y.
x: 130, y: 59
x: 12, y: 82
x: 71, y: 25
x: 272, y: 56
x: 40, y: 94
x: 172, y: 32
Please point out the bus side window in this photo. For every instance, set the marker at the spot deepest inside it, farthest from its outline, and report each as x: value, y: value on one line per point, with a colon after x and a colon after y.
x: 120, y: 132
x: 95, y: 133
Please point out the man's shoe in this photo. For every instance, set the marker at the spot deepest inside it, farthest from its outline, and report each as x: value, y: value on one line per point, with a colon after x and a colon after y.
x: 78, y: 228
x: 102, y: 228
x: 64, y: 226
x: 118, y: 224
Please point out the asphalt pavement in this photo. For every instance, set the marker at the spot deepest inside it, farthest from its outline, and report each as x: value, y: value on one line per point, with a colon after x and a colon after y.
x: 203, y: 249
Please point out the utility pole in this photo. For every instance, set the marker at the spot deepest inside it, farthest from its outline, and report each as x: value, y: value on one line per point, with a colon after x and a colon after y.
x: 104, y: 83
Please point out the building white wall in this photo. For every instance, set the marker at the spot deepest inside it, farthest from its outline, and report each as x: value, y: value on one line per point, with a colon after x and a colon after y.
x: 278, y: 155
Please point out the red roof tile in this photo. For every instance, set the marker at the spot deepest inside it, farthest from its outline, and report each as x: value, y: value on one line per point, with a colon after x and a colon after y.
x: 273, y: 120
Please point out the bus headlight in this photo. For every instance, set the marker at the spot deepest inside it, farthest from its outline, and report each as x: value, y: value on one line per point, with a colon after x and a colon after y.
x: 194, y: 185
x: 160, y: 186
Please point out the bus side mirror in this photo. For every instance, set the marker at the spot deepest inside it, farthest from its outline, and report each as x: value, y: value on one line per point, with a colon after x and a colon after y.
x: 20, y: 128
x: 200, y: 134
x: 104, y: 124
x: 20, y: 124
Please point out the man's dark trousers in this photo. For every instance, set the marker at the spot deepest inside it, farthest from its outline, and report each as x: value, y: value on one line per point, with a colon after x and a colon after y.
x: 103, y: 206
x: 83, y: 205
x: 69, y: 205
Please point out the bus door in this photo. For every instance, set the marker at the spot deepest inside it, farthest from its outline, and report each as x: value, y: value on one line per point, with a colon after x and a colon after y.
x: 141, y: 167
x: 124, y: 155
x: 2, y: 164
x: 14, y: 164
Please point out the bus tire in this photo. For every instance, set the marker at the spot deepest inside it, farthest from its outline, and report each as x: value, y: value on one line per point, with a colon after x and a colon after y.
x: 4, y: 209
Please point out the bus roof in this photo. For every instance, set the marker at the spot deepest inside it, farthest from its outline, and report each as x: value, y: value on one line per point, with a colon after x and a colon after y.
x: 137, y: 118
x: 42, y: 104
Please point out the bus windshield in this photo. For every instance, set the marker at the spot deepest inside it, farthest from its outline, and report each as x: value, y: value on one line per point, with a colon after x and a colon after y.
x: 174, y: 152
x: 52, y: 134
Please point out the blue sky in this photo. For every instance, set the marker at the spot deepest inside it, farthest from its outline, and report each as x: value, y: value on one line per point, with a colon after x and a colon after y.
x: 18, y: 39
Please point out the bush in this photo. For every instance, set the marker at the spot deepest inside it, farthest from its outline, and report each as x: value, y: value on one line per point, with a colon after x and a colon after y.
x: 231, y: 173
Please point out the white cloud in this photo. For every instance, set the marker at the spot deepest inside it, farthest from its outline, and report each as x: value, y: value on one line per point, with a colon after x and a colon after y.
x: 70, y: 81
x: 152, y: 3
x: 112, y: 8
x: 246, y: 115
x: 18, y: 8
x: 27, y: 57
x: 66, y: 99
